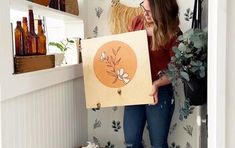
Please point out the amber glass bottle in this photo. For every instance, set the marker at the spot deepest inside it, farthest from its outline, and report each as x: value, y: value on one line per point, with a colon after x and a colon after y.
x: 80, y: 53
x: 32, y: 36
x: 26, y: 33
x: 19, y: 40
x: 41, y: 39
x: 54, y: 4
x: 62, y: 5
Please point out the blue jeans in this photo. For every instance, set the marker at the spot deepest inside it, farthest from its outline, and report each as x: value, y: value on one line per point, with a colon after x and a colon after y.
x: 158, y: 118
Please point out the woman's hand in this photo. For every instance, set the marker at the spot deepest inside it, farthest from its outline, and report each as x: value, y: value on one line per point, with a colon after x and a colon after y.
x: 154, y: 92
x: 162, y: 81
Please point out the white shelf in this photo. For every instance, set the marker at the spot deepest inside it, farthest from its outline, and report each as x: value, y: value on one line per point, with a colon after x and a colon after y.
x: 23, y: 5
x: 16, y: 85
x: 20, y: 84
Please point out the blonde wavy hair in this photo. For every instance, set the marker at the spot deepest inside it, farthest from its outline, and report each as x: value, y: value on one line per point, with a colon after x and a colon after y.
x: 121, y: 16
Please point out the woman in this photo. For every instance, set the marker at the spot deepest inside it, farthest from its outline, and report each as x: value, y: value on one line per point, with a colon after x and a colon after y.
x: 160, y: 20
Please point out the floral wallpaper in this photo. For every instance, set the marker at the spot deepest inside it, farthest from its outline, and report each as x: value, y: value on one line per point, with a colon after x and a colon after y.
x: 105, y: 125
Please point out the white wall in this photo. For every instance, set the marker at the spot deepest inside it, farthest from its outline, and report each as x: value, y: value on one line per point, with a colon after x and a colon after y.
x: 230, y: 87
x: 53, y: 117
x: 83, y: 5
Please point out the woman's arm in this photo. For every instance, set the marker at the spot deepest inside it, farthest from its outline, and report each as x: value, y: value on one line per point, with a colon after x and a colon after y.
x: 164, y: 80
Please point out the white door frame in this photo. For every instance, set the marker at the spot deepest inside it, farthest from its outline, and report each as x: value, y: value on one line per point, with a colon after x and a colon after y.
x: 217, y: 32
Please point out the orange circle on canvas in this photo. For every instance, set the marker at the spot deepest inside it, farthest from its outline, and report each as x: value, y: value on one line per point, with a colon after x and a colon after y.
x: 115, y: 64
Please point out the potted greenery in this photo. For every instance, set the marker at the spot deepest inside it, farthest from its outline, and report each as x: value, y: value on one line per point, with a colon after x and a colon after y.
x: 189, y: 64
x: 63, y: 46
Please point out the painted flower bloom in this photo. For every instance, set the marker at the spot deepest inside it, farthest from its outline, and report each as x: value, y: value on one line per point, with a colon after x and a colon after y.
x: 103, y: 56
x: 123, y: 76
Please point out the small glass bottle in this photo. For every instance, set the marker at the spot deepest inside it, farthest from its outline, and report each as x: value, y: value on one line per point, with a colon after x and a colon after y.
x: 26, y: 33
x: 80, y: 53
x: 32, y: 36
x: 41, y: 39
x: 62, y: 5
x: 19, y: 40
x: 54, y: 4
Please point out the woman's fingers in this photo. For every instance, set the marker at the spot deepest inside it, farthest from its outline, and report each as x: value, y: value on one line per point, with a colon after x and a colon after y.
x: 155, y: 98
x: 154, y: 94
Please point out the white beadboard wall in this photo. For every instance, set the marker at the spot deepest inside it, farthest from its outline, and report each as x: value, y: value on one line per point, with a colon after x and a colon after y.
x: 53, y: 117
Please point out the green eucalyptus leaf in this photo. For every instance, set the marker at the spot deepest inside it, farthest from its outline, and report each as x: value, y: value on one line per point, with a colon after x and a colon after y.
x: 198, y: 50
x: 181, y: 38
x: 177, y: 55
x: 171, y: 67
x: 202, y: 68
x: 202, y: 73
x: 188, y: 50
x: 198, y: 43
x: 196, y: 63
x: 194, y: 69
x: 182, y: 47
x: 187, y: 34
x: 188, y: 55
x: 199, y: 63
x: 175, y: 49
x: 193, y: 63
x: 184, y: 75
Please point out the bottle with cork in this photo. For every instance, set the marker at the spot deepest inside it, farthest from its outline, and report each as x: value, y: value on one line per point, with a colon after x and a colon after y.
x: 41, y: 39
x: 19, y: 40
x: 32, y: 36
x: 26, y: 34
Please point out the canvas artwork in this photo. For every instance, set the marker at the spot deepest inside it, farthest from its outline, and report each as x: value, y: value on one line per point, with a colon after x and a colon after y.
x: 116, y: 70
